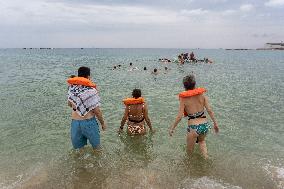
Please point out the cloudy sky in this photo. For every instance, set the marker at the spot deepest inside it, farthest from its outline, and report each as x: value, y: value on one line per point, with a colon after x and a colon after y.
x: 141, y: 23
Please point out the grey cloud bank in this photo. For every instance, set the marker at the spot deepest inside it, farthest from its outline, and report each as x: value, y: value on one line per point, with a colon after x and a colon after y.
x: 142, y: 24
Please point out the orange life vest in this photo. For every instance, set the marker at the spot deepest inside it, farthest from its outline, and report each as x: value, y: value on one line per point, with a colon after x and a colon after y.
x: 81, y: 81
x: 193, y: 92
x: 131, y: 101
x: 190, y: 93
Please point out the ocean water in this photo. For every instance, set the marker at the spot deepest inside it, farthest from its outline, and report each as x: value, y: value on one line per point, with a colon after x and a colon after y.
x: 245, y: 88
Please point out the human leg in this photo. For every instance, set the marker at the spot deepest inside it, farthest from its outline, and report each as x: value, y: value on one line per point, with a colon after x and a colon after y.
x: 190, y: 140
x: 77, y: 138
x: 202, y: 145
x: 92, y: 132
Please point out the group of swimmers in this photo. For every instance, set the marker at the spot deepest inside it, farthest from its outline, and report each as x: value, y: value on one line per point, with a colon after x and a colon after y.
x: 84, y: 100
x: 184, y: 57
x: 134, y: 68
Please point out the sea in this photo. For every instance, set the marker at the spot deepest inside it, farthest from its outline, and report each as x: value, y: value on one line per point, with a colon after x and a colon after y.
x: 245, y: 90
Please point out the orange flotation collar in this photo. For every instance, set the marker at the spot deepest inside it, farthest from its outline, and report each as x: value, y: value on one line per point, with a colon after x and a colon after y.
x: 190, y: 93
x: 81, y: 81
x: 193, y: 92
x: 131, y: 101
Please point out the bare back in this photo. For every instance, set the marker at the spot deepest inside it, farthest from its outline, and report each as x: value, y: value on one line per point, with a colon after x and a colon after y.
x: 136, y: 112
x: 193, y: 105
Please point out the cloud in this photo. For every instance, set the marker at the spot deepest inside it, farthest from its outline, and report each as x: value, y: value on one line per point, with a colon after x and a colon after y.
x: 139, y: 23
x: 228, y: 12
x: 41, y: 12
x: 193, y: 12
x: 263, y: 35
x: 246, y: 7
x: 274, y: 3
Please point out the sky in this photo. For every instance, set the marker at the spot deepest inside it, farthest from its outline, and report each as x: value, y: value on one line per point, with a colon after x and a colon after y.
x: 141, y: 23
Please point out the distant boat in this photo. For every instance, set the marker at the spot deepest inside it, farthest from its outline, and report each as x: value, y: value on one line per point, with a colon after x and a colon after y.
x: 273, y: 46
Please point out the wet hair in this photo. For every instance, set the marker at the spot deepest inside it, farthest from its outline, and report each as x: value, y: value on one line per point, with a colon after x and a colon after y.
x: 136, y: 93
x: 155, y: 70
x: 119, y: 65
x: 166, y: 68
x: 114, y: 67
x: 130, y: 63
x: 189, y: 82
x: 145, y: 68
x: 84, y: 72
x: 72, y: 76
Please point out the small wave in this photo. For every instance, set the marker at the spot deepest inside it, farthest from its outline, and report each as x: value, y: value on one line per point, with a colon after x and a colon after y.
x: 30, y: 179
x: 206, y: 183
x: 276, y: 174
x: 14, y: 183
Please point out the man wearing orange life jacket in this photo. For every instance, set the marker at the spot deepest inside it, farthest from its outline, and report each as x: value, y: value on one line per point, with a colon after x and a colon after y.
x: 85, y: 103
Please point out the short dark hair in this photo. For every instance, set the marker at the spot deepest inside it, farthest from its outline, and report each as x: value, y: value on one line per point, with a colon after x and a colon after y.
x: 155, y: 70
x: 145, y: 68
x: 189, y: 82
x: 84, y: 72
x: 136, y: 93
x: 130, y: 63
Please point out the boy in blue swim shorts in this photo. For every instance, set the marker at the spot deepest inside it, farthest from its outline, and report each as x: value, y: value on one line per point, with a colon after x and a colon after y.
x: 84, y: 100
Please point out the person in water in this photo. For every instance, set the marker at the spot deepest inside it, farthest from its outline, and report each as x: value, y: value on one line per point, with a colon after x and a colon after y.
x: 132, y: 68
x: 145, y: 68
x: 155, y: 72
x: 192, y: 57
x: 136, y: 113
x: 192, y: 104
x: 84, y: 100
x: 180, y: 59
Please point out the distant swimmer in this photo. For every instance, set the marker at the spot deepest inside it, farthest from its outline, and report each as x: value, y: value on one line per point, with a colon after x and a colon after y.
x: 164, y: 60
x: 206, y: 60
x: 132, y: 68
x: 192, y: 57
x: 166, y: 69
x: 155, y: 72
x: 192, y: 104
x: 144, y: 68
x: 180, y: 59
x: 114, y: 68
x: 135, y: 113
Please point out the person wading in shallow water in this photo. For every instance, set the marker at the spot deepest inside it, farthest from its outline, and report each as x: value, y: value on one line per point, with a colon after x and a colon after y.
x: 84, y: 100
x: 135, y: 113
x: 192, y: 103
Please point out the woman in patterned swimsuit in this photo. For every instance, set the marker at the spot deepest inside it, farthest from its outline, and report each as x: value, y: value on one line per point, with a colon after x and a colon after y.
x: 136, y: 115
x: 197, y: 123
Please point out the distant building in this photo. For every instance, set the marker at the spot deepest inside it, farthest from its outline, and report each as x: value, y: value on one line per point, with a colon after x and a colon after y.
x: 274, y: 45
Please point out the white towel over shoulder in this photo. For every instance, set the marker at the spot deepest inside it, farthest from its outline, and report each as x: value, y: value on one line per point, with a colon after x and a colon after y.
x: 83, y: 98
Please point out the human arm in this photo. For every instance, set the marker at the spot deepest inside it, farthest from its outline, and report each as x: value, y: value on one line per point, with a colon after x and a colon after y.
x: 123, y: 120
x: 98, y: 113
x: 179, y: 116
x: 211, y: 114
x: 146, y: 116
x: 69, y: 104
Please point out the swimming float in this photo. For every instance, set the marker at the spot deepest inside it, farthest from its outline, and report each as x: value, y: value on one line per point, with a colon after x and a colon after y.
x: 81, y: 81
x: 131, y: 101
